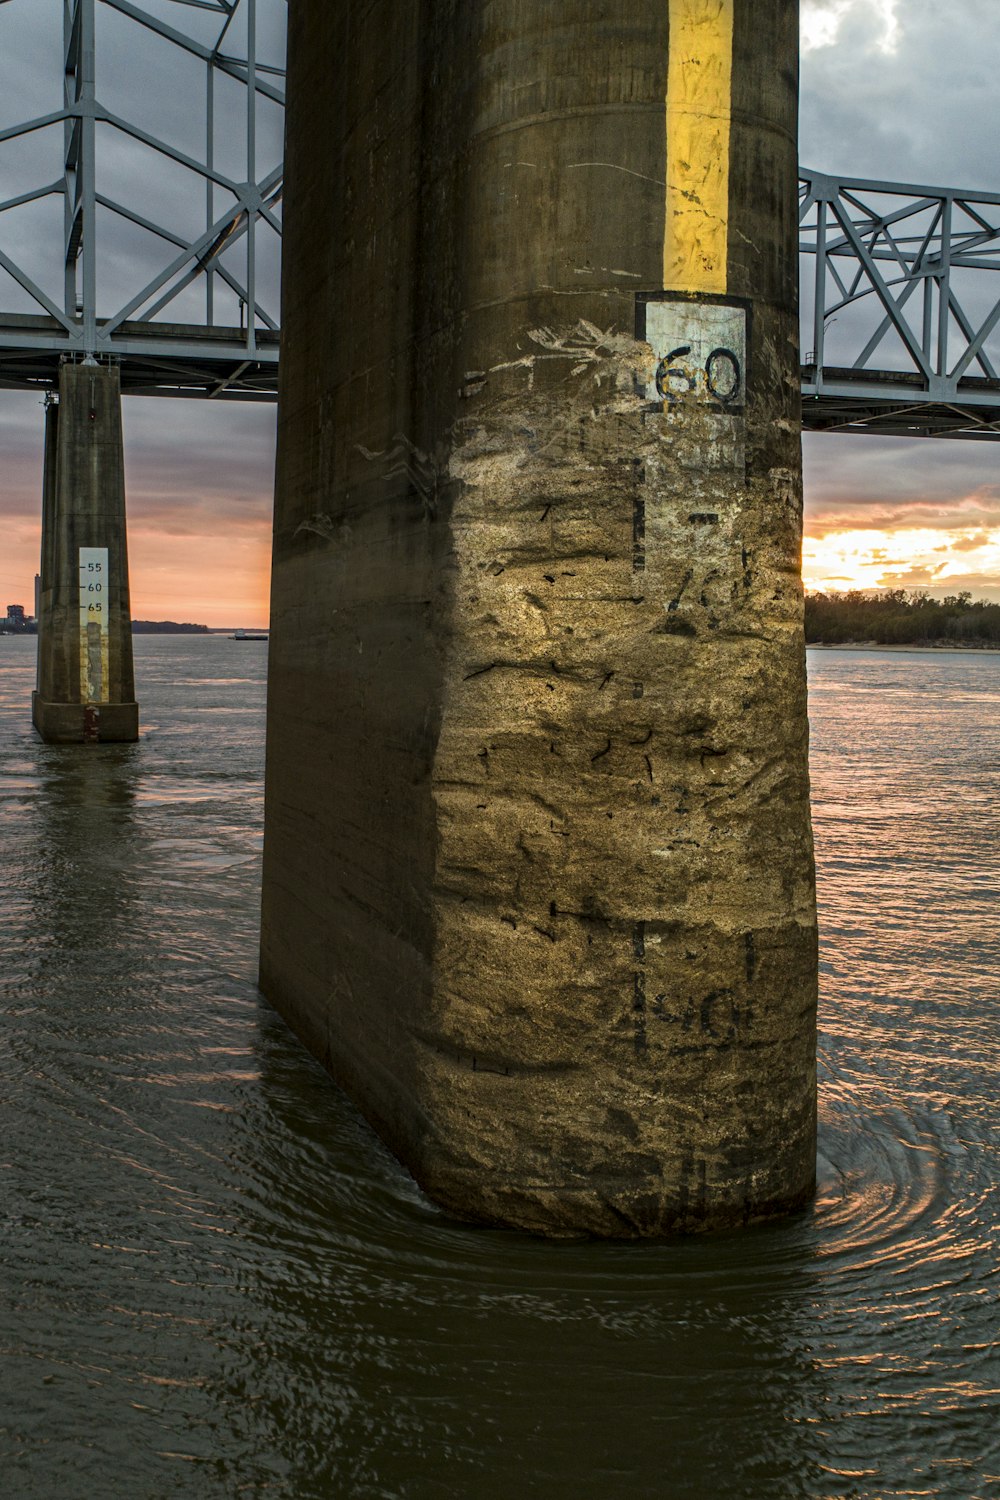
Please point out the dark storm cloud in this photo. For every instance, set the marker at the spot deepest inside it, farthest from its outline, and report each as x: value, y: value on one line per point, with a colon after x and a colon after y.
x: 196, y: 464
x: 21, y: 433
x: 189, y: 465
x: 885, y: 483
x: 926, y: 111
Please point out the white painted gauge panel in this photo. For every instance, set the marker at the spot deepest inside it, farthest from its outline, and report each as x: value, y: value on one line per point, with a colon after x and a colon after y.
x: 95, y: 604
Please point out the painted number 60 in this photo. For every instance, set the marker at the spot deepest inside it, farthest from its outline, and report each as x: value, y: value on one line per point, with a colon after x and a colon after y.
x: 721, y: 378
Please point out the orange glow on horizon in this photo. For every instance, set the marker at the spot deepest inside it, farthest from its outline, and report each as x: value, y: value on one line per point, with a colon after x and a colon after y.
x: 205, y: 580
x: 910, y: 558
x: 219, y: 581
x: 223, y: 580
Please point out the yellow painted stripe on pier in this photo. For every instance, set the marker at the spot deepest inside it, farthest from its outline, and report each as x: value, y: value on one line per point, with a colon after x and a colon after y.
x: 699, y: 114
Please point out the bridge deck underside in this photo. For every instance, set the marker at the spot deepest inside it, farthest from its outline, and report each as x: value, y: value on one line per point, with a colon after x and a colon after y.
x: 155, y: 359
x: 159, y: 359
x: 893, y: 404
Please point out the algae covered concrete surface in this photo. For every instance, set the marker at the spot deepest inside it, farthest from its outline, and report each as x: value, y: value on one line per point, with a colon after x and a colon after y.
x: 538, y: 882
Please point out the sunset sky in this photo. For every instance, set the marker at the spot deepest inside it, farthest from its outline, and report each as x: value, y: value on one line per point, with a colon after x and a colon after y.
x: 903, y: 90
x: 900, y: 89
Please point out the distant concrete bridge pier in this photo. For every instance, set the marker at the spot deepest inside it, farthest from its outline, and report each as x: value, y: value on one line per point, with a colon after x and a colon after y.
x: 86, y: 685
x: 538, y: 878
x: 189, y: 317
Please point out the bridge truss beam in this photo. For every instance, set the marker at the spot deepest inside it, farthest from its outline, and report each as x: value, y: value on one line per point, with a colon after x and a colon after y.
x: 901, y: 270
x: 203, y: 354
x: 901, y: 323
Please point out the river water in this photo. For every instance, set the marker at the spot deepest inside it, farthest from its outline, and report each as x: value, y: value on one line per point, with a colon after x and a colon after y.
x: 215, y: 1282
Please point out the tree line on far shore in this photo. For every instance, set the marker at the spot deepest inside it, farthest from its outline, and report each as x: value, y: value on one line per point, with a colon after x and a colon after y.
x: 167, y: 627
x: 894, y: 617
x: 139, y: 627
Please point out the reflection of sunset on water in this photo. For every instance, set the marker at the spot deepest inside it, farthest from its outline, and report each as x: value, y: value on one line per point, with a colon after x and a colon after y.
x: 941, y: 562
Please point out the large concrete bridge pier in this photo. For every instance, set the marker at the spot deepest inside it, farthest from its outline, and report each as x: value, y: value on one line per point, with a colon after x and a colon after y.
x: 538, y: 882
x: 86, y: 688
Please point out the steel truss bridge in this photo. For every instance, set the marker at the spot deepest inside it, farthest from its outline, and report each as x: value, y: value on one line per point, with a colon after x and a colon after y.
x: 903, y: 271
x: 900, y: 320
x: 194, y: 206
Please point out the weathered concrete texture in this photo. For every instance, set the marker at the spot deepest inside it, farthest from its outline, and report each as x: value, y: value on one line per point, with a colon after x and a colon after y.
x: 86, y: 686
x: 538, y: 880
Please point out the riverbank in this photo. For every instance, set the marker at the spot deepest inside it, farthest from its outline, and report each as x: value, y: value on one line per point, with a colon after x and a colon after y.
x: 928, y: 647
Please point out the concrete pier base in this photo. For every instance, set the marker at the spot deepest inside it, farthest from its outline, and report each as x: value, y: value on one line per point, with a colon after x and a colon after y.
x: 86, y: 689
x: 84, y: 723
x: 538, y: 881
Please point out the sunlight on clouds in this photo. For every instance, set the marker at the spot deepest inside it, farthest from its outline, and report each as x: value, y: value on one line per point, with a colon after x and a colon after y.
x: 820, y: 24
x: 915, y: 559
x: 822, y: 20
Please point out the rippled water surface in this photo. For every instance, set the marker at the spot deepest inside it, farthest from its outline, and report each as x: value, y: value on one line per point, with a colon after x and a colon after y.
x: 215, y: 1282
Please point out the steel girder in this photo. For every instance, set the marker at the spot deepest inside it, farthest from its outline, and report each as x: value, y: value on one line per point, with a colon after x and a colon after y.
x: 901, y: 325
x: 902, y: 270
x: 204, y: 354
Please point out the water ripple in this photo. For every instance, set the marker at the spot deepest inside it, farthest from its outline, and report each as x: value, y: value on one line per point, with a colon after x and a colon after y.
x: 218, y: 1282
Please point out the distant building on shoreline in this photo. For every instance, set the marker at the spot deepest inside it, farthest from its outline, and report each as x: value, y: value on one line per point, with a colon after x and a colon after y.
x: 17, y: 622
